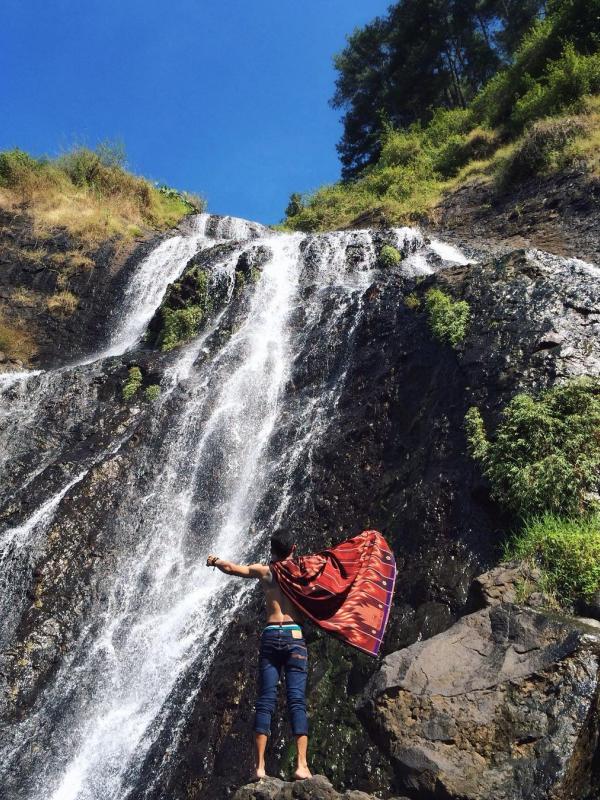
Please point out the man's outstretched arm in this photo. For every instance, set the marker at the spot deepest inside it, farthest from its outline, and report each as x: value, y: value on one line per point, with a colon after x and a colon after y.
x: 241, y: 570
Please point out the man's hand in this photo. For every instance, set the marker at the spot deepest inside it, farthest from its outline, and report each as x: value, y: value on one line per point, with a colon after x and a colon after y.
x: 240, y: 570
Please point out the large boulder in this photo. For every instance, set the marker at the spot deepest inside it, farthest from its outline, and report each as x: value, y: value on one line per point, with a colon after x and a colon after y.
x: 503, y: 705
x: 315, y: 788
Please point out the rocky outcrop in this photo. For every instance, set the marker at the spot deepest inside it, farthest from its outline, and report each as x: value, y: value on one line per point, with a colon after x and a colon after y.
x: 503, y: 705
x: 504, y: 584
x: 315, y: 788
x: 57, y: 293
x: 558, y: 213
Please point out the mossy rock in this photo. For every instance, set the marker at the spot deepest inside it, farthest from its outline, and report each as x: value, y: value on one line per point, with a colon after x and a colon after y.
x: 188, y: 304
x: 251, y: 262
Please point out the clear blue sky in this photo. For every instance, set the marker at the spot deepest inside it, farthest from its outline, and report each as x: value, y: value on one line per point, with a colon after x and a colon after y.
x: 224, y: 97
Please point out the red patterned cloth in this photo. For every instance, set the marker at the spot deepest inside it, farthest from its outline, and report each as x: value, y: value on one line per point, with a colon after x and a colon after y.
x: 346, y: 590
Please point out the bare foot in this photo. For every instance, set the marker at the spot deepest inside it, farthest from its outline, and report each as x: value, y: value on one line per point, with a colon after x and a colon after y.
x: 302, y: 773
x: 259, y: 773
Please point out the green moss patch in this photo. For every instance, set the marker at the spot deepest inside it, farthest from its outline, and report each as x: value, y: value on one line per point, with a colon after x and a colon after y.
x: 389, y: 256
x: 133, y: 383
x: 186, y: 307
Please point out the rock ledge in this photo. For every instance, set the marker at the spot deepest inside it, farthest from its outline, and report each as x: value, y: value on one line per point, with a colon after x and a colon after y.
x: 315, y: 788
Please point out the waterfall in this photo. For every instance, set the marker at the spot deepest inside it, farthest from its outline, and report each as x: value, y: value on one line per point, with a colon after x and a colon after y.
x: 243, y: 406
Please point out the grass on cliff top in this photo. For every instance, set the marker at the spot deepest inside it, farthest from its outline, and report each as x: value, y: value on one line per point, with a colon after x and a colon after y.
x: 89, y: 193
x: 517, y: 127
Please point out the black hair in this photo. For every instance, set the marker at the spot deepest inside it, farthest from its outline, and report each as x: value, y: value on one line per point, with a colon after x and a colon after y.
x: 281, y: 545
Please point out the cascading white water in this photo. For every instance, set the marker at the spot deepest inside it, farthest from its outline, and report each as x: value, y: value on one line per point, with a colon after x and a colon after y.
x: 23, y: 394
x: 211, y: 461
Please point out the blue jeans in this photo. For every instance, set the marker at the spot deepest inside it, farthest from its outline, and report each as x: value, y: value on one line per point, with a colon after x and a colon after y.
x: 279, y: 650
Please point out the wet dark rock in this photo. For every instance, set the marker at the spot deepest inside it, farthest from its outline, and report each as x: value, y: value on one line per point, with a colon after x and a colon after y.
x: 253, y: 259
x: 504, y: 704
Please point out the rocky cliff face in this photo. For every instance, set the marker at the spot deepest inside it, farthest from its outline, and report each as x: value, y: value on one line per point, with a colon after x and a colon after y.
x: 57, y: 297
x: 312, y: 395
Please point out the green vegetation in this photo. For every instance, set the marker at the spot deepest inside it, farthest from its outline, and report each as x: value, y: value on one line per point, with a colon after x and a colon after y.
x: 186, y: 306
x: 540, y: 84
x: 448, y: 318
x: 89, y: 193
x: 423, y: 55
x: 152, y: 392
x: 545, y: 454
x: 412, y: 301
x: 179, y: 326
x: 543, y: 148
x: 566, y: 550
x: 508, y: 126
x: 389, y: 256
x: 133, y: 383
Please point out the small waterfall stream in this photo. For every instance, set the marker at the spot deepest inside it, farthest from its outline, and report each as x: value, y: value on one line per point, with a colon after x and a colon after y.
x: 212, y: 473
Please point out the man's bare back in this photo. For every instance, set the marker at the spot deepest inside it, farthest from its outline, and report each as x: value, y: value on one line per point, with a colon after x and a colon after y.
x: 279, y: 607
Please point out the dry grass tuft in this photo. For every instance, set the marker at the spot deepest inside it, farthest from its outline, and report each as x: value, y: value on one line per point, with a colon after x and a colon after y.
x: 26, y: 298
x: 62, y: 304
x: 16, y: 342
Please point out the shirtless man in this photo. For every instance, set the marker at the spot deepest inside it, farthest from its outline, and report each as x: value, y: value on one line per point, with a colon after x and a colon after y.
x: 282, y: 646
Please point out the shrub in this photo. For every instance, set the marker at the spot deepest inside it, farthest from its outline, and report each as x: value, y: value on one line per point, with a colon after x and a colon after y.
x: 179, y: 326
x: 133, y: 383
x: 389, y: 256
x: 152, y: 392
x: 538, y: 82
x: 566, y: 82
x: 567, y: 552
x: 457, y: 151
x: 15, y: 166
x: 402, y: 148
x: 62, y: 304
x: 448, y: 318
x: 545, y: 453
x: 412, y: 301
x: 541, y: 149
